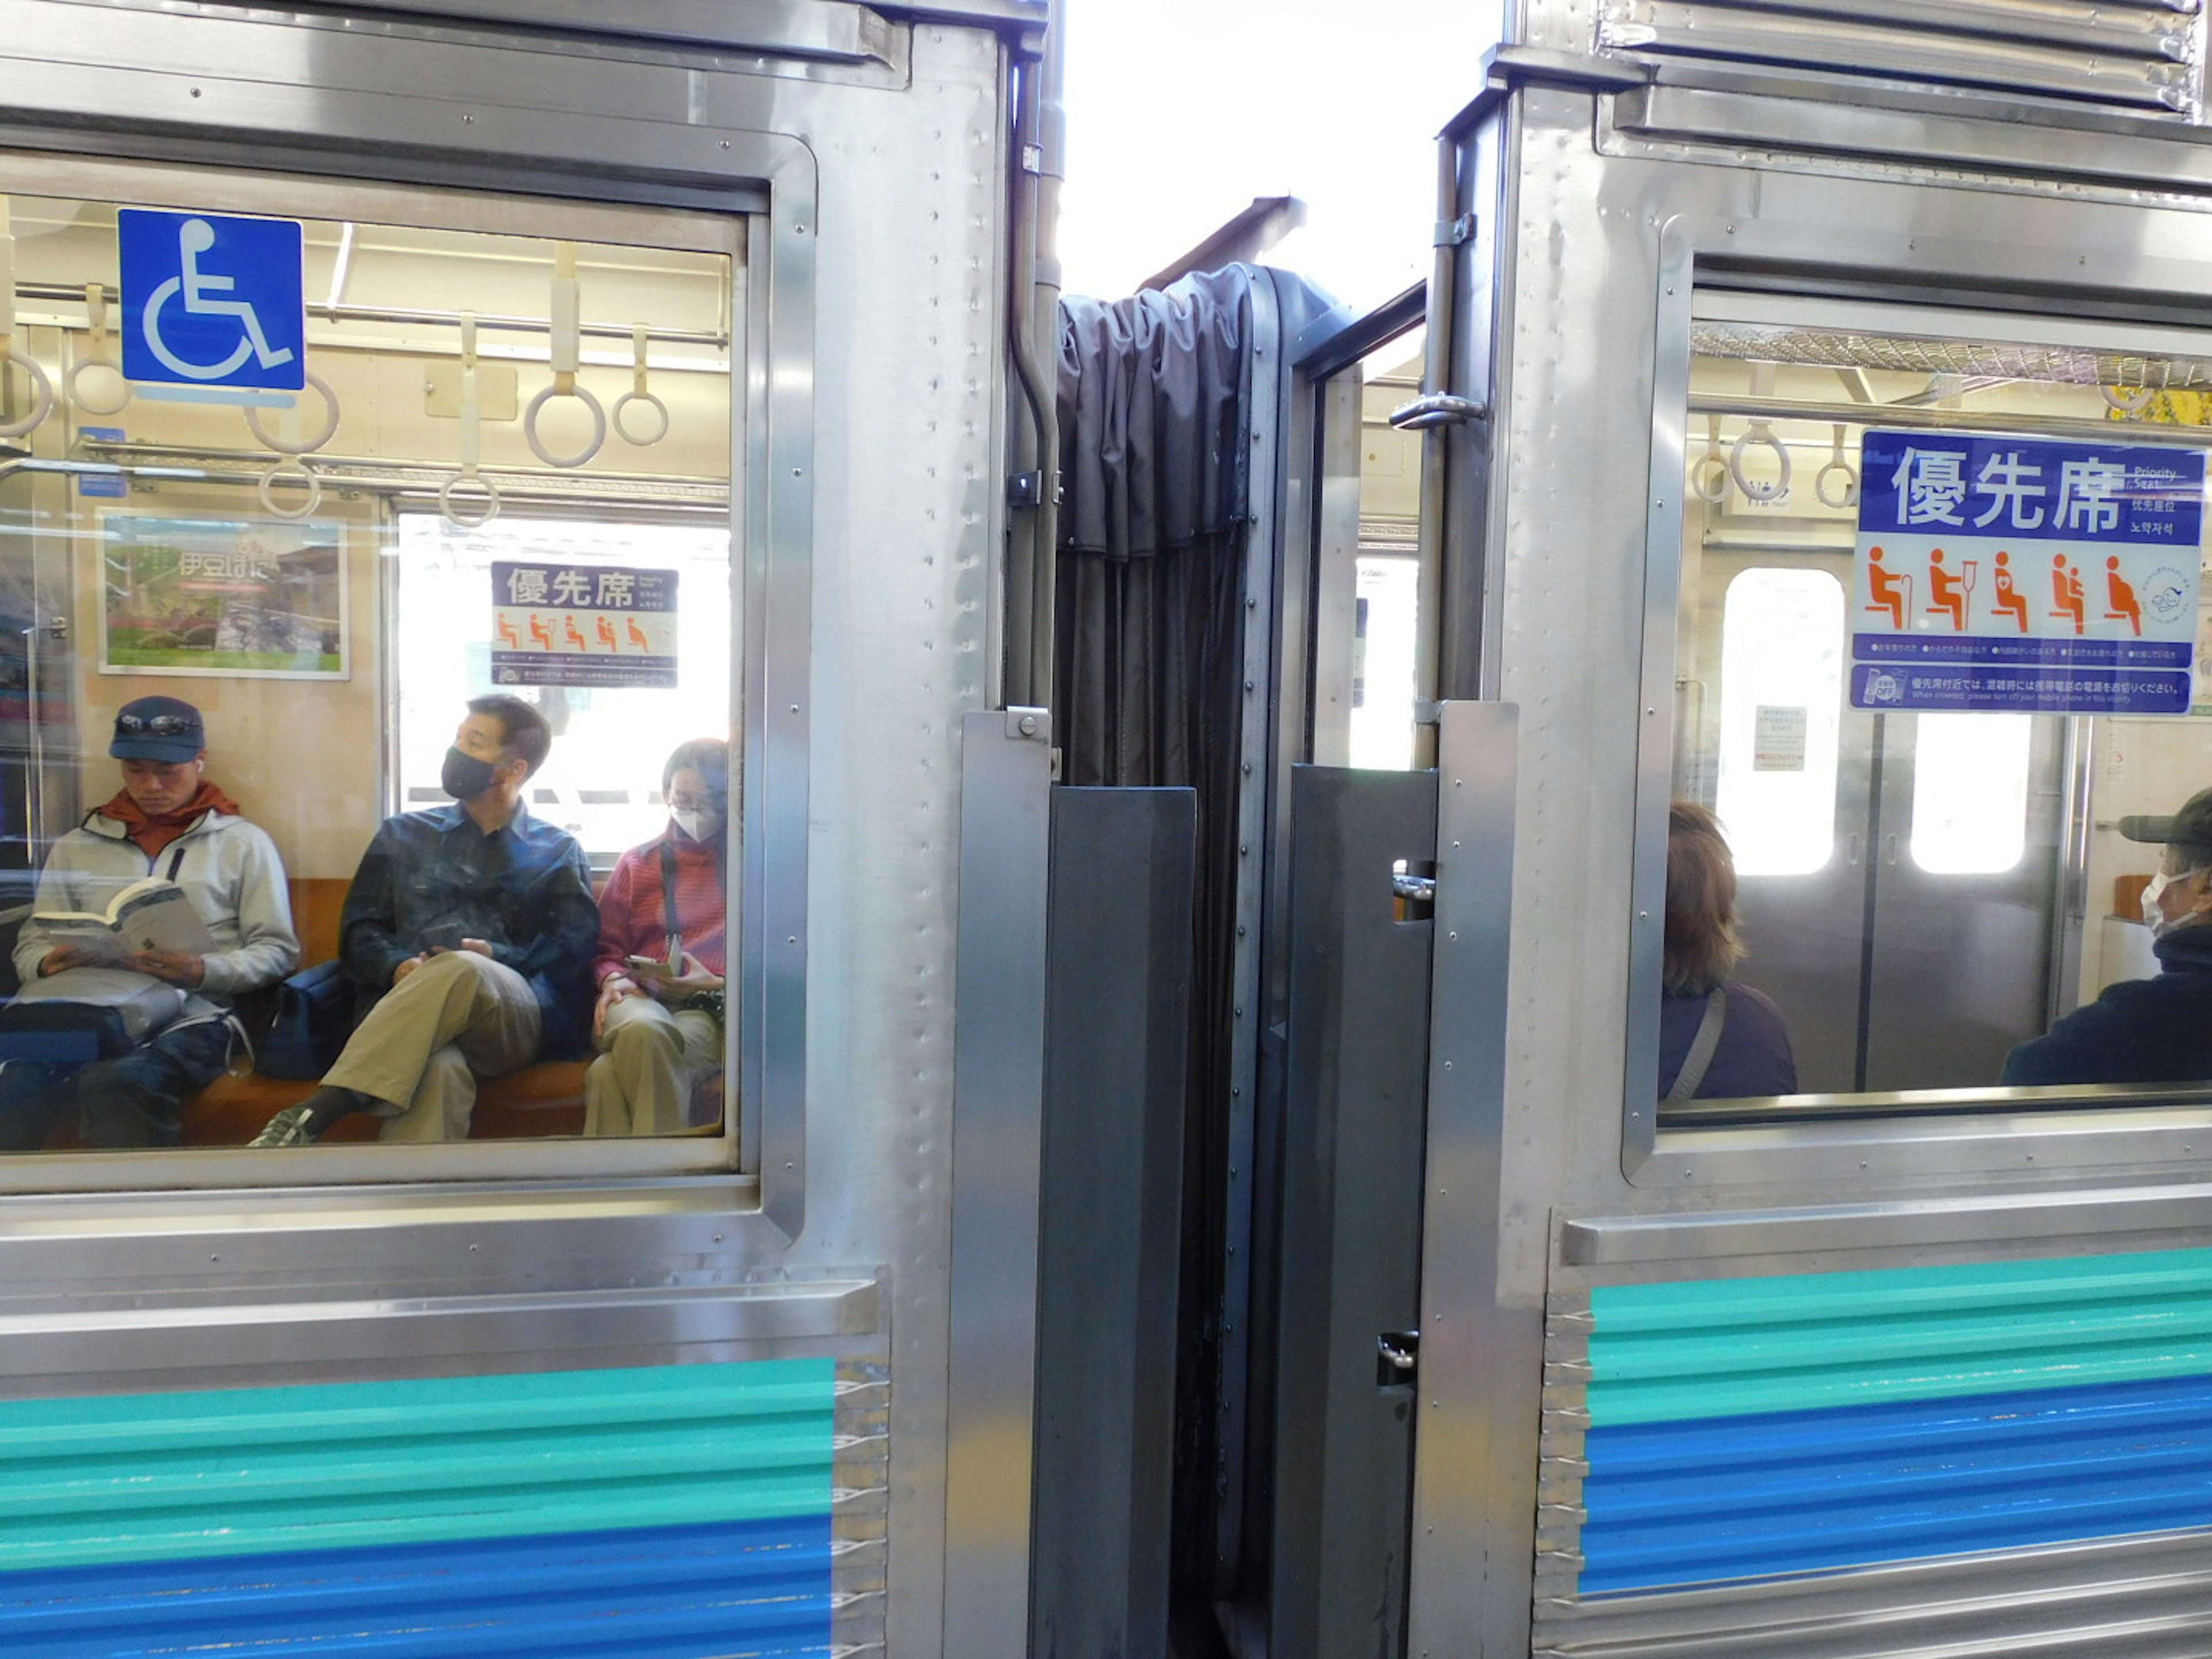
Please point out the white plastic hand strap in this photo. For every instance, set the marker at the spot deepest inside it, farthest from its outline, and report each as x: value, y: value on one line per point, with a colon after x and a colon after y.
x: 2127, y: 399
x: 42, y: 389
x: 1759, y: 490
x: 461, y: 517
x: 289, y: 447
x: 1710, y: 477
x: 566, y: 360
x: 638, y: 394
x: 96, y: 356
x: 298, y: 474
x: 1837, y: 464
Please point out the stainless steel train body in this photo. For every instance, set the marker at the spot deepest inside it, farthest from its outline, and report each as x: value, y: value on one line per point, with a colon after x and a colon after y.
x: 790, y: 224
x: 1828, y: 1375
x: 1492, y: 1357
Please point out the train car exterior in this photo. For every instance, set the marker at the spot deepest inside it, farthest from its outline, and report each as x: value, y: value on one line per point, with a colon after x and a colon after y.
x: 1842, y: 1372
x: 707, y: 1393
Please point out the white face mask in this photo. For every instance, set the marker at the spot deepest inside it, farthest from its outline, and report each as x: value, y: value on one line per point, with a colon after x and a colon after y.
x: 694, y: 825
x: 2151, y: 914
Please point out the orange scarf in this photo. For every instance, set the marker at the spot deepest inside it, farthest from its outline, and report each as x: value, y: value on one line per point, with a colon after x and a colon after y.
x: 153, y: 834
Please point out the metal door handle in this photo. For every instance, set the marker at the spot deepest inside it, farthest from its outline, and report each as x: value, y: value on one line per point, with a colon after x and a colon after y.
x: 1397, y: 1358
x: 1854, y: 845
x: 1889, y: 849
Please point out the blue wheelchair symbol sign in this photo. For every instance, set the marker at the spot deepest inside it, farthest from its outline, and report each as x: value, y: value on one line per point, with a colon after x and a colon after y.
x: 212, y: 301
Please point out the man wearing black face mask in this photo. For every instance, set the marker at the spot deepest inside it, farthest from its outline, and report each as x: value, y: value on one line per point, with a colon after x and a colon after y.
x: 467, y: 932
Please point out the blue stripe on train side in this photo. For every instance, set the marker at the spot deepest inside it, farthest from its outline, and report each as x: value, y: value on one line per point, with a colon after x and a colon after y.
x: 665, y: 1512
x: 756, y: 1588
x: 1681, y: 1503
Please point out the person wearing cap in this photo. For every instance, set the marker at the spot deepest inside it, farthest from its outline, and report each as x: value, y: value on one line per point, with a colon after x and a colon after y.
x: 168, y: 820
x: 2146, y: 1030
x: 468, y: 933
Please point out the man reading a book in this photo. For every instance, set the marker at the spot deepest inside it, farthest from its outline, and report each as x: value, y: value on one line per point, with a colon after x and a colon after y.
x: 467, y: 932
x: 170, y: 823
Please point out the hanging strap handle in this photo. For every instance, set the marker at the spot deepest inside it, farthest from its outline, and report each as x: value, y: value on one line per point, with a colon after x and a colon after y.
x: 1702, y: 1047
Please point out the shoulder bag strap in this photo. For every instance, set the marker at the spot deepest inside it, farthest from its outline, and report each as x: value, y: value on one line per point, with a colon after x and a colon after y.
x: 668, y: 906
x: 1701, y: 1047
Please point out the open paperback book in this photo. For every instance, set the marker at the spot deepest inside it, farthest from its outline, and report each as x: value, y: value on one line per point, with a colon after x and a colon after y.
x: 152, y: 914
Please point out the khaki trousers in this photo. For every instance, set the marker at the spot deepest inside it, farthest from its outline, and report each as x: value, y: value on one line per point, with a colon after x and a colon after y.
x: 652, y: 1058
x: 456, y: 1018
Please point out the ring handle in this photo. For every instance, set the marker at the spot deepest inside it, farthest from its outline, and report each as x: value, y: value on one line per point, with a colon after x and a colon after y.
x: 464, y: 519
x: 266, y: 488
x: 1837, y: 463
x: 95, y: 310
x: 75, y: 387
x: 1709, y: 479
x: 2126, y: 400
x: 582, y: 394
x: 1759, y: 432
x: 1850, y: 495
x: 42, y: 389
x: 330, y: 422
x: 650, y: 402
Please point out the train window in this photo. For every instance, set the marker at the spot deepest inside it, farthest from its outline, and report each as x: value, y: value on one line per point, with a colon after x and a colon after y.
x: 1936, y: 680
x: 1781, y: 681
x: 1970, y: 793
x: 599, y: 783
x: 366, y: 681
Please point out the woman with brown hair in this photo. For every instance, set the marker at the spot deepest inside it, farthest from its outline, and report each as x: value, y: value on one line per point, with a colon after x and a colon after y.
x: 1718, y: 1039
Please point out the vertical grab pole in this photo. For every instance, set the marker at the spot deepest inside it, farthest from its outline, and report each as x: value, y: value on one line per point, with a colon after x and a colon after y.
x: 1436, y: 381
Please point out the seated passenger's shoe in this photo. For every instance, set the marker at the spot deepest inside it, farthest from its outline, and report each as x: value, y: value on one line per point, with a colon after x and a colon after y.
x: 290, y: 1127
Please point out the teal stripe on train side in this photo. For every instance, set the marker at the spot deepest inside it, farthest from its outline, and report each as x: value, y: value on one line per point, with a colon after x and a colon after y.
x: 1720, y: 1348
x: 169, y: 1477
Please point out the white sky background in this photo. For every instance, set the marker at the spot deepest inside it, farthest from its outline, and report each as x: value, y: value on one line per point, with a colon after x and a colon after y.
x: 1181, y: 111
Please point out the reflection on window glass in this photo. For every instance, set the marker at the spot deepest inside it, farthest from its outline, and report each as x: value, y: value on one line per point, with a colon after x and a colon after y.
x: 1782, y: 634
x: 1970, y: 793
x: 602, y: 783
x: 1382, y: 663
x: 249, y: 820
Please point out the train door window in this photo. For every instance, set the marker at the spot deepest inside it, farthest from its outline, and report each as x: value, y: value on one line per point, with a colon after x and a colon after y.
x: 1781, y: 673
x: 599, y: 784
x: 1940, y: 612
x: 413, y: 503
x: 1368, y: 574
x: 1970, y: 793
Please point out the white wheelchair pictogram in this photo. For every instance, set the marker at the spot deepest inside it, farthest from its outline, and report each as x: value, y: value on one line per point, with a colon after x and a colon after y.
x: 194, y: 238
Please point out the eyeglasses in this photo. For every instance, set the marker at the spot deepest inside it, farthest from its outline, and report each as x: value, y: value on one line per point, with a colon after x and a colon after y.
x: 159, y: 726
x: 690, y: 803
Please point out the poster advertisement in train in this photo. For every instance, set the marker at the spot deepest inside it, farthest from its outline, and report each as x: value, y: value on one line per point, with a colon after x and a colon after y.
x: 584, y: 625
x: 1999, y: 573
x: 248, y: 598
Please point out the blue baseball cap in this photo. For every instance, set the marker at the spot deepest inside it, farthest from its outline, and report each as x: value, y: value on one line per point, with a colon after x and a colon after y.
x: 158, y: 729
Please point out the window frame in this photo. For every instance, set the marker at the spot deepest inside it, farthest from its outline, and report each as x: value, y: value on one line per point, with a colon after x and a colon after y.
x: 760, y: 213
x: 1929, y: 1138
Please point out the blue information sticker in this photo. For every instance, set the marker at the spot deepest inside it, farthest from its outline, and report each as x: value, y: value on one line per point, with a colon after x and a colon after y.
x: 211, y: 301
x: 2009, y: 574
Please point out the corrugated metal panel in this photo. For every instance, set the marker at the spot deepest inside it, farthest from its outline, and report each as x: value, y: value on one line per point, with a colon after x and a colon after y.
x: 1800, y: 1491
x: 2130, y: 54
x: 1659, y: 1352
x: 658, y: 1592
x: 1744, y: 1428
x: 663, y: 1512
